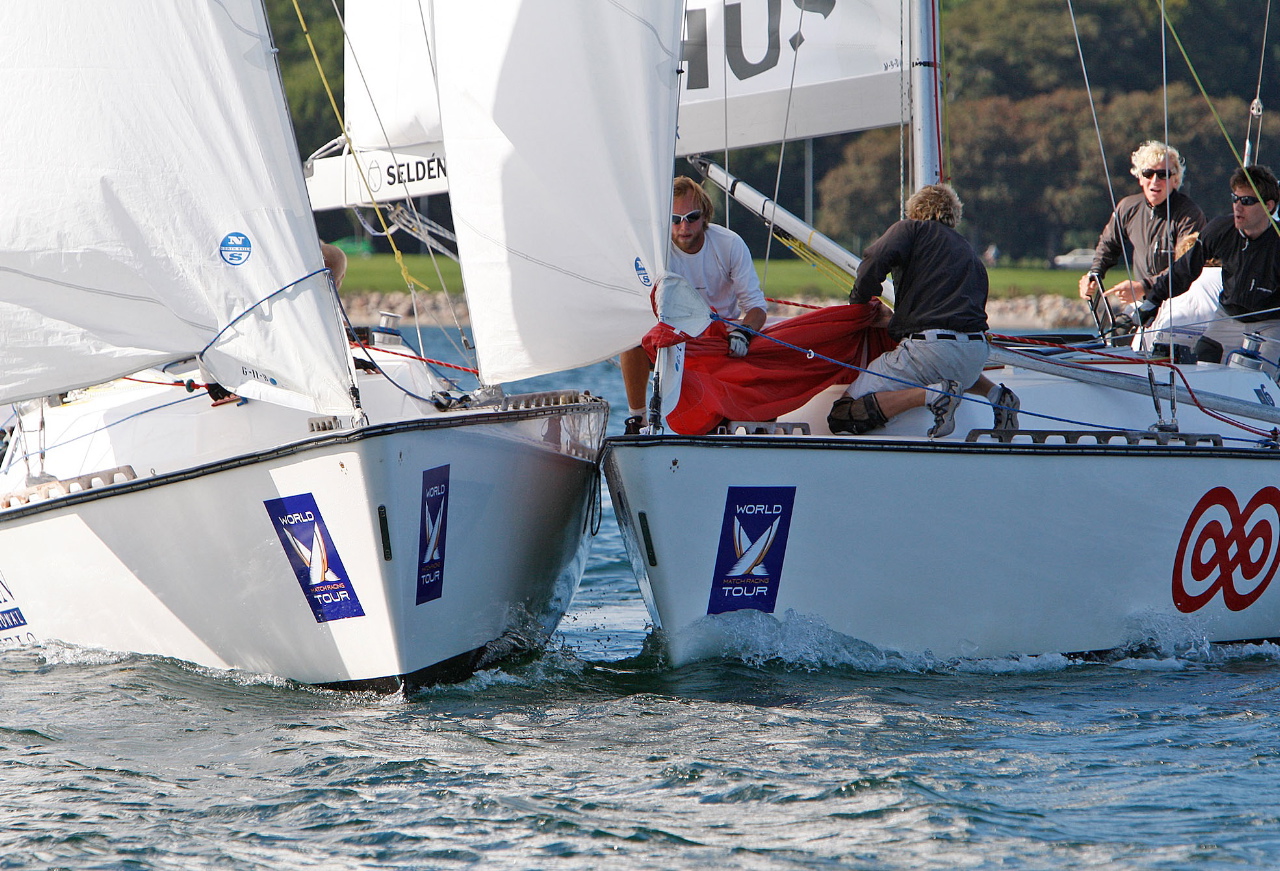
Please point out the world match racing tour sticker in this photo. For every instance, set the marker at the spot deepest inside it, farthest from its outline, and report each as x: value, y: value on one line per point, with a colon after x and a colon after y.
x: 431, y: 533
x: 11, y: 618
x: 753, y: 544
x: 309, y: 547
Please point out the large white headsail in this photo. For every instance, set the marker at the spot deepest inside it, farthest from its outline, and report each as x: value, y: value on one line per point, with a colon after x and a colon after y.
x: 559, y: 123
x: 741, y: 66
x: 153, y: 199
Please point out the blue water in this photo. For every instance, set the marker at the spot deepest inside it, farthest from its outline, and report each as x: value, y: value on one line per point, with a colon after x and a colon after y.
x: 809, y: 752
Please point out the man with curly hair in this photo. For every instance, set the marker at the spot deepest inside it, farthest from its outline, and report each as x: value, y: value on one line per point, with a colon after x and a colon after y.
x: 939, y: 322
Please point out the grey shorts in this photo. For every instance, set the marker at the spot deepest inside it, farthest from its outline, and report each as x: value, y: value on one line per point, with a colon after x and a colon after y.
x: 921, y: 362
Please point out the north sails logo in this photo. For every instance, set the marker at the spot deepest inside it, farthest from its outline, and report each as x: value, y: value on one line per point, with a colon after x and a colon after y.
x: 753, y: 545
x: 235, y: 248
x: 315, y: 561
x: 643, y: 274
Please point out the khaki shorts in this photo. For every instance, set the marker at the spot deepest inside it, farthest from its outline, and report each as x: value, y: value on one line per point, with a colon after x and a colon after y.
x: 921, y: 362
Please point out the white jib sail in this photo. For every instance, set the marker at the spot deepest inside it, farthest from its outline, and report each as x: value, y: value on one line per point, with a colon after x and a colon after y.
x: 763, y: 71
x: 559, y: 127
x: 154, y: 197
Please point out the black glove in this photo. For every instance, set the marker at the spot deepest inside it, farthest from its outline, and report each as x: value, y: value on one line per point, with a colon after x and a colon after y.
x: 738, y: 343
x: 1146, y: 312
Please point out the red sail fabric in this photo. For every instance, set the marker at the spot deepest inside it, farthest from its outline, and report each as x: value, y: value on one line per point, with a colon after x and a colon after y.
x: 772, y: 379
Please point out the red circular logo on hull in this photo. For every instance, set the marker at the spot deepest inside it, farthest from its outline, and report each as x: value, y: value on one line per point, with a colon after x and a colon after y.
x: 1228, y: 549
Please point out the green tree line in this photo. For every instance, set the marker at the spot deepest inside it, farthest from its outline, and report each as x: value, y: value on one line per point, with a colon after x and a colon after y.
x: 1019, y: 125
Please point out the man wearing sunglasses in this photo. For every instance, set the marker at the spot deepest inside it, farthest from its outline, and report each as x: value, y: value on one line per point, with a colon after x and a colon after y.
x: 1247, y: 242
x: 1145, y: 228
x: 718, y: 263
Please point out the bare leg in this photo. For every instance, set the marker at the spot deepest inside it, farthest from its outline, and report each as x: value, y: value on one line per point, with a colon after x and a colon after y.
x: 895, y: 402
x: 981, y: 387
x: 634, y: 364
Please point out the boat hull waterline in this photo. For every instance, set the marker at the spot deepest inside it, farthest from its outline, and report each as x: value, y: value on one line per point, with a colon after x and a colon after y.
x: 953, y: 549
x: 379, y: 557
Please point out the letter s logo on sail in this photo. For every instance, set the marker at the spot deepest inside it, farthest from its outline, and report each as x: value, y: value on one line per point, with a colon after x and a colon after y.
x: 235, y: 248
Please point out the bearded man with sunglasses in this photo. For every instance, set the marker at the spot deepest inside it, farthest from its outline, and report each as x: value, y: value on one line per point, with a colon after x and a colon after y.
x: 718, y: 263
x: 1247, y: 242
x: 1145, y: 228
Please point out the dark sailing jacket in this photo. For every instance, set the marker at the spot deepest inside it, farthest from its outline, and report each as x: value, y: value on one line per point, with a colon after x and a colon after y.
x: 1150, y: 235
x: 939, y: 280
x: 1250, y: 270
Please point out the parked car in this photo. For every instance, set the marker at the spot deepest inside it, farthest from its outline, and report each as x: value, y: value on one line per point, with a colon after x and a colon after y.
x: 1076, y: 258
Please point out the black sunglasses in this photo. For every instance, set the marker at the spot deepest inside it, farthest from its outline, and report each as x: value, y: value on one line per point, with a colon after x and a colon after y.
x: 1157, y: 173
x: 1245, y: 200
x: 695, y: 215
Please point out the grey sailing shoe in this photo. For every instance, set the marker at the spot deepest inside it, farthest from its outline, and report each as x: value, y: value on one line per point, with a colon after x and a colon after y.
x: 1005, y: 407
x: 944, y: 402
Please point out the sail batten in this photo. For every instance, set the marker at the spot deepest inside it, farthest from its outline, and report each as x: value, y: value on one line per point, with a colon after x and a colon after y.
x: 154, y: 197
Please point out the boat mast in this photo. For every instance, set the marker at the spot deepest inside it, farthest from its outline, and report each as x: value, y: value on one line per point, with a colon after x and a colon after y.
x: 926, y: 164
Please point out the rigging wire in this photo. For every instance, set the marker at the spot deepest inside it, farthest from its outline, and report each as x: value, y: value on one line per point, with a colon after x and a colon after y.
x: 1252, y: 147
x: 1097, y: 129
x: 943, y: 117
x: 809, y: 353
x: 1222, y: 127
x: 798, y: 41
x: 904, y: 98
x: 411, y: 282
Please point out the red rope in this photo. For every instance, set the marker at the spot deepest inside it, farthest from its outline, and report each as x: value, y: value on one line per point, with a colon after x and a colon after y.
x: 796, y: 304
x: 190, y: 385
x: 421, y: 359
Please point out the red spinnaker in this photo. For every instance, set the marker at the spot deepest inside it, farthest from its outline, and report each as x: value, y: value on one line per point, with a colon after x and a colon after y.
x: 772, y: 379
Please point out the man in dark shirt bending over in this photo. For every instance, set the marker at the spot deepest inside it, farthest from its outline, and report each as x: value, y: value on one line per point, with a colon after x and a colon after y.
x: 940, y: 323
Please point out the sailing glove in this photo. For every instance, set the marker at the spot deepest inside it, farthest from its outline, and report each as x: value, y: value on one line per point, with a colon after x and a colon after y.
x: 738, y: 343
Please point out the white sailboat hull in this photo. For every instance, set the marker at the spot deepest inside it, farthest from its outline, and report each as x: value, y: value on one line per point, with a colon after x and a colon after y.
x: 219, y: 564
x: 955, y: 548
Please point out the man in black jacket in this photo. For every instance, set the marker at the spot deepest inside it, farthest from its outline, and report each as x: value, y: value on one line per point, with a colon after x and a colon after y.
x: 940, y: 322
x: 1247, y: 242
x: 1145, y: 228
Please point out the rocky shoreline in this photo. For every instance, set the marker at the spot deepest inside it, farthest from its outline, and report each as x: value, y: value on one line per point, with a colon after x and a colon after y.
x: 1019, y: 313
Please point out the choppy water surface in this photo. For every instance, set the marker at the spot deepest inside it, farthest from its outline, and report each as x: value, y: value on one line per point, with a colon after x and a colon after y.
x: 805, y: 752
x: 125, y: 762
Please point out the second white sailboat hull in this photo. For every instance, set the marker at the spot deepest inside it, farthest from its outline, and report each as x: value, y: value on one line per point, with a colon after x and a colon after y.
x: 952, y: 549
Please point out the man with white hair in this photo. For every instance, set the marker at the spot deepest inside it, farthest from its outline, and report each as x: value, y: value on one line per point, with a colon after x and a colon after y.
x: 1145, y: 229
x: 939, y: 322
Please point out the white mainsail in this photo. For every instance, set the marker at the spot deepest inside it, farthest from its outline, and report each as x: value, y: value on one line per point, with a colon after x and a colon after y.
x: 183, y: 211
x: 561, y: 220
x: 740, y: 62
x: 743, y: 85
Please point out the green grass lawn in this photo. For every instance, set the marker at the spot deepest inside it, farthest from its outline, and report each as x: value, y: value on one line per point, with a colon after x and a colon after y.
x: 783, y: 279
x: 381, y: 274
